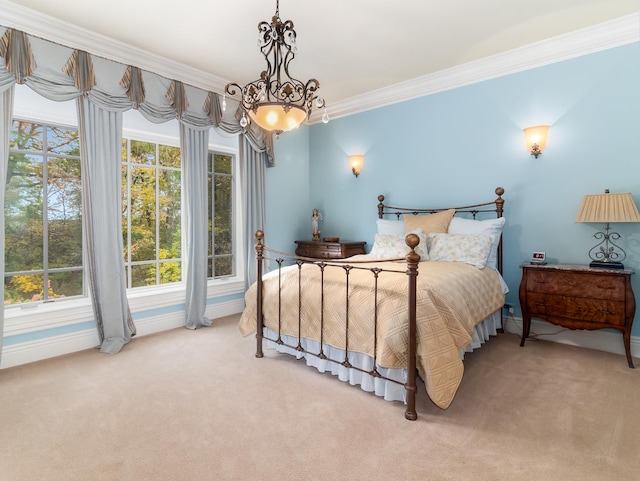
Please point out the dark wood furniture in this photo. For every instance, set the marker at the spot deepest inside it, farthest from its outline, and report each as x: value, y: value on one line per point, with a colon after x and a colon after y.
x: 578, y: 297
x: 329, y: 250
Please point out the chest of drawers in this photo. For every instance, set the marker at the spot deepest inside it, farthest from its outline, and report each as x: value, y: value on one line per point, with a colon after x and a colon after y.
x: 578, y: 297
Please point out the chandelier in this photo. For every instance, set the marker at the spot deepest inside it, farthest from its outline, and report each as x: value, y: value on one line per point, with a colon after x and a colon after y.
x: 276, y: 101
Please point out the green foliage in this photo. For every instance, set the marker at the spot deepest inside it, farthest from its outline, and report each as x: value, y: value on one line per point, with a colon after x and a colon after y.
x: 43, y: 201
x: 43, y: 194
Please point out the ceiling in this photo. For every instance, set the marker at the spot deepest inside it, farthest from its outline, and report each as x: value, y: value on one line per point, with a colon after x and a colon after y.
x: 351, y: 46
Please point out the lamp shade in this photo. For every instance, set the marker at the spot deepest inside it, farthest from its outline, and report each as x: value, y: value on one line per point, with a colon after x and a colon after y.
x: 604, y: 208
x: 272, y: 116
x: 356, y: 164
x: 536, y: 138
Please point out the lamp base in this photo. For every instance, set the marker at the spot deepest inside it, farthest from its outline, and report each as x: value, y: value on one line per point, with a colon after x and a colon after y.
x: 607, y: 265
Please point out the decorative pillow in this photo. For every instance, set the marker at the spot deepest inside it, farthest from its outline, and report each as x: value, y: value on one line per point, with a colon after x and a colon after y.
x: 390, y: 227
x: 493, y: 227
x: 438, y: 222
x: 394, y: 246
x: 473, y: 249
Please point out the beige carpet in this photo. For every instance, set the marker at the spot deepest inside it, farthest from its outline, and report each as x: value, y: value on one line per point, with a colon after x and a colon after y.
x: 197, y: 405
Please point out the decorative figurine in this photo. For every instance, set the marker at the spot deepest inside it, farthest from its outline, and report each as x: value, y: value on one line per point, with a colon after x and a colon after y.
x: 315, y: 217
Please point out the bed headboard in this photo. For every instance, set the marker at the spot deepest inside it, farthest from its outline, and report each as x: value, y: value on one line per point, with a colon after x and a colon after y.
x: 495, y: 206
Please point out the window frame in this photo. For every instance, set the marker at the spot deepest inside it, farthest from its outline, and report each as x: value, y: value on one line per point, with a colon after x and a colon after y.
x: 37, y: 316
x: 46, y: 269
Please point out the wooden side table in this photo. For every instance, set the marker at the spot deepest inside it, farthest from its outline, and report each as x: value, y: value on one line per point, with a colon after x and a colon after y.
x: 329, y: 250
x: 578, y: 297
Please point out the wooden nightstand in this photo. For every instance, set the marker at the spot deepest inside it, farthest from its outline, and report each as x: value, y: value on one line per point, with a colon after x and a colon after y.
x: 578, y: 297
x: 329, y: 250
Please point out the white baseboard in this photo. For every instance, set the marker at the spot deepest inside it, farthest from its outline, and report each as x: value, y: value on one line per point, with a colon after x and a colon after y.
x: 78, y: 341
x: 38, y: 350
x: 599, y: 340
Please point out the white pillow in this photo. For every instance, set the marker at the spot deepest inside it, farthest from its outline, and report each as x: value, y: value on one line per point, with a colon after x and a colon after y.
x: 394, y: 246
x: 390, y: 227
x: 492, y: 227
x: 473, y: 249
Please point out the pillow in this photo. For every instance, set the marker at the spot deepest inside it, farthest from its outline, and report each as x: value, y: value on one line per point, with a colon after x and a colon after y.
x: 394, y: 246
x: 492, y: 227
x: 438, y: 222
x: 473, y: 249
x: 390, y: 227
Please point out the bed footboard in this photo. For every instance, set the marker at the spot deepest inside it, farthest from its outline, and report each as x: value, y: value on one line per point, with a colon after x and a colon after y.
x: 412, y: 260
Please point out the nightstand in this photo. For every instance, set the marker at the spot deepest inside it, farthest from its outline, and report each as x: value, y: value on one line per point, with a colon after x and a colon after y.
x: 329, y: 250
x: 578, y: 297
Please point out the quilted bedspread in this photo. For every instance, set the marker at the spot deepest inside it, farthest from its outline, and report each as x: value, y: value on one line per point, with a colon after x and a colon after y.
x: 451, y: 298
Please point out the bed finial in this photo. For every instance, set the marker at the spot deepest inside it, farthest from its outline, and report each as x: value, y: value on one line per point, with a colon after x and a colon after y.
x: 499, y: 201
x: 380, y: 206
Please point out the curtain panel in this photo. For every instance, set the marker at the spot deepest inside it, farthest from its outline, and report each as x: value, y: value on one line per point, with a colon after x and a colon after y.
x: 104, y: 89
x: 6, y: 109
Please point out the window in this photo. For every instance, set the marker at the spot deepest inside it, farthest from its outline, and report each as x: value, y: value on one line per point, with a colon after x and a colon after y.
x: 43, y: 214
x: 221, y: 229
x: 151, y: 213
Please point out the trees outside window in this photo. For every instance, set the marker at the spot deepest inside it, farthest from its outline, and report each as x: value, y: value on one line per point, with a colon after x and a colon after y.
x: 151, y: 213
x: 220, y: 169
x: 43, y: 214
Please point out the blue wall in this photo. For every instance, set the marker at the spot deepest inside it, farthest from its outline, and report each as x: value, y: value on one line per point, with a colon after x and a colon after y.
x: 456, y: 147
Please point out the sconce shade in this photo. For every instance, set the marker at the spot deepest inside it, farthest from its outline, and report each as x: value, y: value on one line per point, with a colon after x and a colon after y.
x: 536, y: 139
x: 612, y: 208
x: 356, y: 164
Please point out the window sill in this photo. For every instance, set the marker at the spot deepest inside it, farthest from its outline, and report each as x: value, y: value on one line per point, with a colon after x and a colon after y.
x: 35, y: 317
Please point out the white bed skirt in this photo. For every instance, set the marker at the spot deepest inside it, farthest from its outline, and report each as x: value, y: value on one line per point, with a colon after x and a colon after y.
x: 390, y: 391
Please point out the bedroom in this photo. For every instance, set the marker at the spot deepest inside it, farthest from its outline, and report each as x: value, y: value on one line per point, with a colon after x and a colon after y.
x: 588, y: 100
x: 592, y: 104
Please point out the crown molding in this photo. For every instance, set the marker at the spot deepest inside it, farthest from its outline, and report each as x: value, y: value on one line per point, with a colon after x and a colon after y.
x: 49, y: 28
x: 603, y: 36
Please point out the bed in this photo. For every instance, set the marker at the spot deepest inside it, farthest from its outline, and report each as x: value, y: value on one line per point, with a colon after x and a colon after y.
x: 429, y: 290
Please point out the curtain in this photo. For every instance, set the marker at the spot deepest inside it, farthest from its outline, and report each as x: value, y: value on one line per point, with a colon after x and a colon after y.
x: 252, y: 165
x: 100, y: 155
x: 194, y: 147
x: 6, y: 110
x: 103, y: 89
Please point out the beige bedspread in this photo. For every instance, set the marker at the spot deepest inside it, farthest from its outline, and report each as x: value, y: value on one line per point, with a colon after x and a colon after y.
x: 452, y: 297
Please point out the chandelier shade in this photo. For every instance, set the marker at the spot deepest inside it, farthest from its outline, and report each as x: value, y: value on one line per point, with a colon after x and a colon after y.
x: 276, y: 101
x: 272, y: 116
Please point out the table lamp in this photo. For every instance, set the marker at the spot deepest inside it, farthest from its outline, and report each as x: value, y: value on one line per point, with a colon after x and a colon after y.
x: 607, y: 208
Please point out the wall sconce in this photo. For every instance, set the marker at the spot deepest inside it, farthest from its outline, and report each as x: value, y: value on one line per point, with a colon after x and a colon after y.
x: 356, y: 164
x: 536, y: 138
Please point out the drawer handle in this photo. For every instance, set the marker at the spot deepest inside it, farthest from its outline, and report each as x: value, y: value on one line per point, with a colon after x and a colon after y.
x: 540, y: 282
x: 540, y: 304
x: 605, y: 287
x: 602, y: 311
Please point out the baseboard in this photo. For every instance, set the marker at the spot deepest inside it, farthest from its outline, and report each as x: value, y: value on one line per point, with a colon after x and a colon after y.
x: 599, y: 340
x: 39, y: 350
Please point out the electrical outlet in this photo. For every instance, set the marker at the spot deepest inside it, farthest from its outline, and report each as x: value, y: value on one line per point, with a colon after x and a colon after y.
x: 509, y: 308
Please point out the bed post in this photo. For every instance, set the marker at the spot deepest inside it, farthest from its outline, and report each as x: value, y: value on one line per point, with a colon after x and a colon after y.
x: 259, y: 320
x: 412, y: 241
x: 499, y: 211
